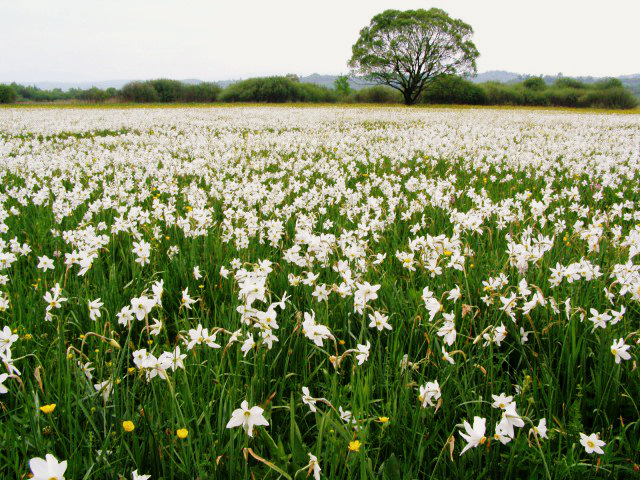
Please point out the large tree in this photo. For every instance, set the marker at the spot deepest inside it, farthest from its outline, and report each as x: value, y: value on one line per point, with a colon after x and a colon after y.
x: 406, y: 50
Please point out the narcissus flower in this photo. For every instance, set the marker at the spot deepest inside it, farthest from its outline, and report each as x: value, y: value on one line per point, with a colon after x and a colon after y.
x: 619, y: 350
x: 475, y: 435
x: 138, y: 476
x: 49, y: 469
x: 247, y: 418
x: 592, y: 443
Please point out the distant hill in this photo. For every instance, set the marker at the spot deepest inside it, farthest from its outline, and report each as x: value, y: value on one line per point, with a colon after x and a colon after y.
x: 497, y: 76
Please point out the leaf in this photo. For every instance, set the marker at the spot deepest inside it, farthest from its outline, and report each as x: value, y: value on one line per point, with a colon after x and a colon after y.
x: 38, y: 376
x: 391, y: 468
x: 247, y: 451
x: 297, y: 446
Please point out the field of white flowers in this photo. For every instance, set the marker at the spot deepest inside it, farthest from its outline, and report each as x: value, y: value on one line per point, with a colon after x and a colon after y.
x: 280, y: 292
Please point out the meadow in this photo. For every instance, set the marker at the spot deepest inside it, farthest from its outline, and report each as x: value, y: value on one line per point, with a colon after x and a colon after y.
x: 326, y: 292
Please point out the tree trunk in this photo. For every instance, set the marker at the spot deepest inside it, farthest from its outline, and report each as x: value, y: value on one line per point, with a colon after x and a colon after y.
x: 408, y: 97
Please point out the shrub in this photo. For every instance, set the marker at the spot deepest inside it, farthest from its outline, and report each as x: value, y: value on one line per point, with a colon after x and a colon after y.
x: 168, y: 90
x: 535, y: 98
x: 618, y: 97
x: 608, y: 83
x: 268, y: 89
x: 569, y: 83
x: 535, y: 83
x: 7, y: 94
x: 142, y: 92
x: 317, y: 93
x: 501, y: 94
x: 452, y: 89
x: 378, y: 94
x: 203, y: 92
x: 342, y: 87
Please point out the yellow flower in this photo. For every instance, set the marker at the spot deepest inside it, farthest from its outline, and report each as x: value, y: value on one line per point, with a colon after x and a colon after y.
x: 128, y: 426
x: 182, y: 433
x: 48, y: 408
x: 383, y: 419
x: 354, y: 446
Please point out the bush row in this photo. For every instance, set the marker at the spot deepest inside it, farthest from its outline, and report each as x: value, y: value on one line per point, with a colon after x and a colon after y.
x: 450, y: 89
x: 564, y: 92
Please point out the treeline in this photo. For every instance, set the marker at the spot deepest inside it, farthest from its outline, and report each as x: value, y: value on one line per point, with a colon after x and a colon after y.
x: 564, y: 92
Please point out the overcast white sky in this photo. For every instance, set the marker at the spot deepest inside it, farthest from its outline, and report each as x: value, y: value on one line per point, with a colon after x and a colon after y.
x: 93, y: 40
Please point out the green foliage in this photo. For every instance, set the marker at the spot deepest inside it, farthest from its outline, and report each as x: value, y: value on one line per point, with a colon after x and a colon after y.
x: 501, y: 94
x: 204, y: 92
x: 569, y: 83
x: 616, y: 97
x: 93, y: 95
x: 565, y: 92
x: 7, y: 94
x: 535, y: 83
x: 452, y: 89
x: 276, y: 90
x: 387, y: 49
x: 377, y: 94
x: 167, y: 90
x: 139, y: 92
x: 341, y: 84
x: 608, y: 83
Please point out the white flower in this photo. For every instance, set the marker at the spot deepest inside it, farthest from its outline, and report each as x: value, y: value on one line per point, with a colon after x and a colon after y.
x: 125, y: 315
x: 142, y: 306
x: 379, y: 321
x: 428, y: 393
x: 362, y: 352
x: 599, y: 319
x: 314, y: 466
x: 448, y: 330
x: 307, y: 399
x: 447, y: 358
x: 501, y: 401
x: 45, y: 263
x: 510, y: 419
x: 187, y: 301
x: 247, y: 418
x: 48, y: 469
x: 345, y: 415
x: 455, y: 294
x: 7, y: 337
x: 248, y: 344
x: 3, y: 377
x: 94, y: 309
x: 196, y: 273
x: 475, y: 435
x: 592, y: 443
x: 541, y: 429
x: 619, y: 350
x: 139, y: 476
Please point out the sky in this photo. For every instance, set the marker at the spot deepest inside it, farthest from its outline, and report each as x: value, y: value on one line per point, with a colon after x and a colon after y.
x: 97, y: 40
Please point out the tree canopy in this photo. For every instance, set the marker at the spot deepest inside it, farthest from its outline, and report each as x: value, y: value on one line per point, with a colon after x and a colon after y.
x: 407, y: 50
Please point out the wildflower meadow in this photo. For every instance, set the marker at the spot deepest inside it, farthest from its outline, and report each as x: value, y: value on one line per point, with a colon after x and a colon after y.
x: 319, y: 292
